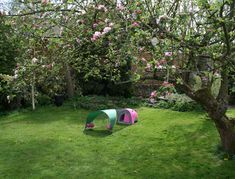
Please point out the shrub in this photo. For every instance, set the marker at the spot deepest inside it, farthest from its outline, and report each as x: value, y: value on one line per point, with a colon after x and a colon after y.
x: 101, y: 102
x: 43, y: 99
x: 178, y: 102
x: 164, y: 104
x: 183, y: 106
x: 8, y: 47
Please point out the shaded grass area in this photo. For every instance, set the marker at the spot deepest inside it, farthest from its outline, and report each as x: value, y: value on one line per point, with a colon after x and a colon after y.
x: 51, y: 143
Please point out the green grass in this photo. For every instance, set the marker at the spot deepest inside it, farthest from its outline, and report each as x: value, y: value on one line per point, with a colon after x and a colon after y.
x: 51, y: 143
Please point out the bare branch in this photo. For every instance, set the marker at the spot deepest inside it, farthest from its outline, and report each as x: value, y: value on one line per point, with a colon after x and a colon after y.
x: 43, y: 11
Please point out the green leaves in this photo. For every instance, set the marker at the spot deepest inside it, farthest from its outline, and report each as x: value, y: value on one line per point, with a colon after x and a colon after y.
x: 8, y: 48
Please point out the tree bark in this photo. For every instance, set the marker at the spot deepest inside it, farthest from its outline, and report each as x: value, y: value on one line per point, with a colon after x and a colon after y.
x: 33, y: 92
x: 224, y: 125
x: 69, y: 81
x: 227, y: 136
x: 69, y: 78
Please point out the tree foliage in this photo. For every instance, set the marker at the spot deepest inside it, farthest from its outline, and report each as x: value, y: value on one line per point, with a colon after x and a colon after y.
x: 190, y: 39
x: 8, y: 47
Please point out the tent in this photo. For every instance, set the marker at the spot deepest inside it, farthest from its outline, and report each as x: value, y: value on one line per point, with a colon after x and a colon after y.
x: 127, y: 116
x: 110, y: 113
x: 122, y: 116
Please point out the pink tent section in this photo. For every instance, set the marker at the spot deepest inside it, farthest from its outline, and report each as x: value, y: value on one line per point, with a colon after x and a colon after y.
x: 134, y: 116
x: 126, y: 116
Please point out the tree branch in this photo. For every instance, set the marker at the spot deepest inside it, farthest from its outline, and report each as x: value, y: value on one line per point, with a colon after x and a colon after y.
x: 43, y: 11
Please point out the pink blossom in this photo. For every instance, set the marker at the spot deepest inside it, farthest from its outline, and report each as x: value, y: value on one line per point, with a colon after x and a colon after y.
x: 95, y: 25
x: 106, y: 30
x: 120, y: 7
x: 134, y: 15
x: 148, y: 67
x: 96, y: 35
x: 34, y: 60
x: 102, y: 7
x: 93, y: 39
x: 162, y: 17
x: 78, y: 40
x: 143, y: 60
x: 49, y: 66
x: 165, y: 83
x: 217, y: 74
x: 159, y: 67
x: 111, y: 24
x: 135, y: 24
x: 168, y: 54
x: 16, y: 71
x: 153, y: 94
x: 141, y: 49
x: 106, y: 20
x: 44, y: 1
x: 16, y: 74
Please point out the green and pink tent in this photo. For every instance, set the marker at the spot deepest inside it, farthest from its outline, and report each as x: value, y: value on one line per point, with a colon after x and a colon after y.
x: 121, y: 116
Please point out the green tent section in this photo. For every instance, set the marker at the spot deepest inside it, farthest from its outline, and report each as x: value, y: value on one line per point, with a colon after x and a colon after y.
x: 111, y: 113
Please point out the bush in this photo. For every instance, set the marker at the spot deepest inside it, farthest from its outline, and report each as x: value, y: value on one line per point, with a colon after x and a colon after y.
x: 178, y: 102
x: 101, y: 102
x: 183, y: 106
x: 164, y: 104
x: 8, y: 47
x: 44, y: 100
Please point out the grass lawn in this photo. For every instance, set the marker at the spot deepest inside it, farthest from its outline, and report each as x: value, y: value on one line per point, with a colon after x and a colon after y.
x: 51, y: 143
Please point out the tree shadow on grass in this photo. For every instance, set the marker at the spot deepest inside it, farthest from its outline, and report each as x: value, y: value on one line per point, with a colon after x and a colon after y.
x: 104, y: 132
x: 97, y: 133
x: 23, y: 158
x: 46, y: 115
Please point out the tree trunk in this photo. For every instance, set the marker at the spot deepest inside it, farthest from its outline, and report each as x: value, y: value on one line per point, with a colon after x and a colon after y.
x: 227, y: 137
x: 33, y: 92
x: 69, y: 81
x: 225, y: 127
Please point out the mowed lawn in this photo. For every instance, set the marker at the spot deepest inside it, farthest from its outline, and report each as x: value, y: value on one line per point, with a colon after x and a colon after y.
x: 51, y: 143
